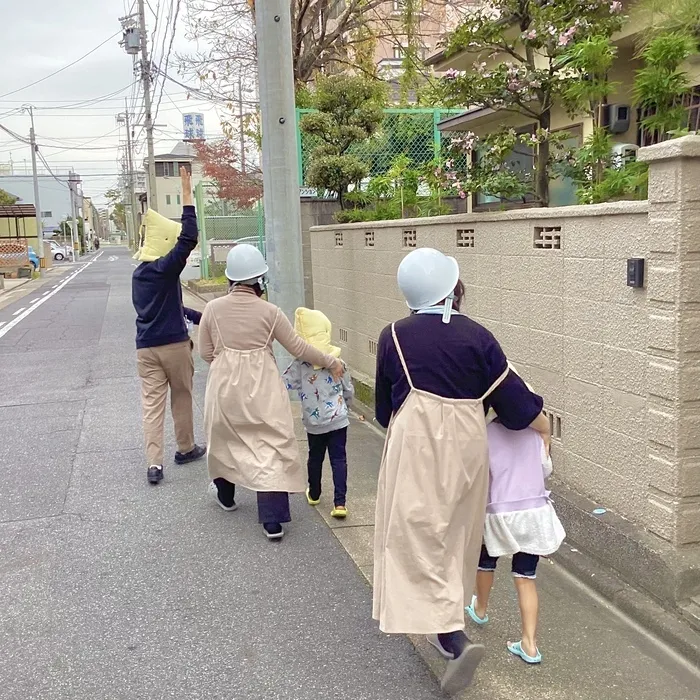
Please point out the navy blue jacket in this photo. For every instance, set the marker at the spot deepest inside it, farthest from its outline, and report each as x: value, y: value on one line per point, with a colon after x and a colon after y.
x: 457, y: 360
x: 157, y: 294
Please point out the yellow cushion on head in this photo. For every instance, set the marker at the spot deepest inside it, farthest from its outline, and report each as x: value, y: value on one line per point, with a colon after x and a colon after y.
x: 315, y: 328
x: 158, y: 236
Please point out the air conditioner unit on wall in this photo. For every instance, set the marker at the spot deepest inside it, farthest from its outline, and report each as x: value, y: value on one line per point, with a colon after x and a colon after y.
x: 618, y: 118
x: 624, y: 153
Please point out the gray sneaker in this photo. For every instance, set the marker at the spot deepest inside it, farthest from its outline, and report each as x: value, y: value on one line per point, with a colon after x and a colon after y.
x: 459, y: 673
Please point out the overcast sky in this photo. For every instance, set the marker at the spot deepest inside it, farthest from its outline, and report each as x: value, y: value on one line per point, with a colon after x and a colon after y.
x: 42, y: 36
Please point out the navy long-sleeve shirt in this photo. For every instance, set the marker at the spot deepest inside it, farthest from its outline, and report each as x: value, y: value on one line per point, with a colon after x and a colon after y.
x: 458, y: 360
x: 157, y: 294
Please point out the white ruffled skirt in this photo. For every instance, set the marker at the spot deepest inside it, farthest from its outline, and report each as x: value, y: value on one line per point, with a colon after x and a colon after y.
x: 533, y: 531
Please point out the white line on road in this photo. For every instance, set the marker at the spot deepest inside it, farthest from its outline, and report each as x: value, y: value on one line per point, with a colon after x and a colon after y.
x: 45, y: 293
x: 23, y: 313
x: 34, y: 301
x: 2, y: 323
x: 19, y: 311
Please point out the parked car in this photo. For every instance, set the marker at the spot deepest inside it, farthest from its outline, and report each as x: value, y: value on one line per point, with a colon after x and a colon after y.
x: 58, y: 251
x: 33, y: 258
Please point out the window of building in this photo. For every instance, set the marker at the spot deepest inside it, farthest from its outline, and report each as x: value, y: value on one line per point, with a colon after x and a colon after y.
x: 562, y: 190
x: 178, y: 199
x: 397, y: 5
x: 398, y: 51
x: 167, y: 169
x: 46, y: 214
x: 167, y: 199
x: 187, y: 166
x: 691, y: 102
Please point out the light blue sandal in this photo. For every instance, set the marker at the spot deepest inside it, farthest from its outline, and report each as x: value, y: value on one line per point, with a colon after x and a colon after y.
x: 517, y: 650
x: 472, y: 613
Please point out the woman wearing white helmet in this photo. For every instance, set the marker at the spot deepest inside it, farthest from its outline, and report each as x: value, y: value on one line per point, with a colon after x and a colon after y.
x: 437, y: 373
x: 247, y: 414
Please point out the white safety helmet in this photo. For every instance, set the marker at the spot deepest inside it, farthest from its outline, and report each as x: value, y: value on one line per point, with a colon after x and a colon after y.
x: 426, y: 277
x: 245, y: 263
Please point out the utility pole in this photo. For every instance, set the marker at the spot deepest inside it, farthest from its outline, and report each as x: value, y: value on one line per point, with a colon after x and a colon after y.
x: 37, y: 203
x: 125, y: 119
x: 241, y: 117
x: 146, y: 80
x: 279, y: 155
x: 72, y: 181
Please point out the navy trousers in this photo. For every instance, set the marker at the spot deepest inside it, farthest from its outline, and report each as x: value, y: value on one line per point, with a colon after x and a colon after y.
x: 334, y: 443
x: 273, y: 506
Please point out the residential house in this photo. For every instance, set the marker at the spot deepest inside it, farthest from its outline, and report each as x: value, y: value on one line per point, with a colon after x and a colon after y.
x: 435, y: 19
x: 481, y: 120
x: 168, y: 187
x: 54, y: 196
x: 17, y: 223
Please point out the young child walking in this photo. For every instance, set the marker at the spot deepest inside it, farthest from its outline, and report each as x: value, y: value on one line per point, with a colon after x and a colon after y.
x: 520, y: 521
x: 325, y: 414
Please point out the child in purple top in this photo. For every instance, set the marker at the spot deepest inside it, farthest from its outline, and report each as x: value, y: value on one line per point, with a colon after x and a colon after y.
x: 520, y: 521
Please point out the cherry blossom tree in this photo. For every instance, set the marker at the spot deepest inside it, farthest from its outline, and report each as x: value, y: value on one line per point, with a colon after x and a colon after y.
x: 524, y: 63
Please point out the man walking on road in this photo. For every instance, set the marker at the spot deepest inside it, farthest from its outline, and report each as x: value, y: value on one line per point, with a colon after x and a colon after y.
x: 164, y: 348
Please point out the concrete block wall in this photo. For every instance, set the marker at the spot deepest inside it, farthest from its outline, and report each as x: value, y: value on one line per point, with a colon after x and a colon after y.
x: 619, y: 368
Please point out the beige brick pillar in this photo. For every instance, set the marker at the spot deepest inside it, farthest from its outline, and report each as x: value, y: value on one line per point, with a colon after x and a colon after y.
x: 673, y: 303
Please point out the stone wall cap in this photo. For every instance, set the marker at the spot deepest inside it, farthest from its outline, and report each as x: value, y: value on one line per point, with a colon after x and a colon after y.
x: 685, y: 147
x: 541, y: 214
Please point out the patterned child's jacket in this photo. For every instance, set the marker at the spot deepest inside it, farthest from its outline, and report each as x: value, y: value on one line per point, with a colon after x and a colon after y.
x: 324, y: 401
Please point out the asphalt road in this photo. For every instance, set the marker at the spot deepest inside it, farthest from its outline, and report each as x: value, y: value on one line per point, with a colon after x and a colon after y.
x: 115, y: 590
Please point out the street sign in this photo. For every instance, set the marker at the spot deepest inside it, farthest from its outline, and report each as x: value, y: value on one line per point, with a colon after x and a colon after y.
x: 193, y: 127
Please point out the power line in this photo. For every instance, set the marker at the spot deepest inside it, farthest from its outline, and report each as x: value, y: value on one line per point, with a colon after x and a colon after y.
x: 60, y: 70
x: 46, y: 165
x: 170, y: 49
x: 91, y: 101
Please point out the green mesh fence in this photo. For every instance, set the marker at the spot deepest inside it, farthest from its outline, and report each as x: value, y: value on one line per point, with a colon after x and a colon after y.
x: 410, y: 132
x: 220, y: 223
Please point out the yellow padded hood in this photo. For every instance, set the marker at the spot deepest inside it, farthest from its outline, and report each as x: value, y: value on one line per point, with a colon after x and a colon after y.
x: 315, y: 328
x: 158, y: 236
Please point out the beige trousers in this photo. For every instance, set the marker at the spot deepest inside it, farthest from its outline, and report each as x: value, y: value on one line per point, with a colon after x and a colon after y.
x: 159, y: 368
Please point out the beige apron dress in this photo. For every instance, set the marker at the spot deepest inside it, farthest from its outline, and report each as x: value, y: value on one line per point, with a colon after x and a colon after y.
x: 248, y: 421
x: 431, y: 504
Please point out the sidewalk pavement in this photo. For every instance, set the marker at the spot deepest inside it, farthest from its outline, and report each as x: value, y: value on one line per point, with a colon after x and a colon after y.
x: 17, y: 288
x: 590, y: 650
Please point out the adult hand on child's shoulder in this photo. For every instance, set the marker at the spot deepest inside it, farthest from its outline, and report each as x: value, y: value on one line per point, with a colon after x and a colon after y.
x: 337, y: 370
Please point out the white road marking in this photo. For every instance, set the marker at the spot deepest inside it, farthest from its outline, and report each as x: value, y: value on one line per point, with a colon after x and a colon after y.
x: 2, y: 323
x: 112, y: 258
x: 34, y: 301
x: 45, y: 293
x: 19, y: 311
x: 21, y: 314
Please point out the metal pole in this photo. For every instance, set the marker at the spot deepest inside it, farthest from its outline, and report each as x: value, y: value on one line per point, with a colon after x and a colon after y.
x: 74, y: 222
x: 146, y: 79
x: 241, y: 125
x: 279, y: 156
x: 37, y: 203
x: 132, y: 189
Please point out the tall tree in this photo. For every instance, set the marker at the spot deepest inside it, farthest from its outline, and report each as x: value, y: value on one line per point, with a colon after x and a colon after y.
x: 322, y: 32
x: 115, y: 198
x: 524, y: 63
x: 221, y: 162
x: 349, y: 111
